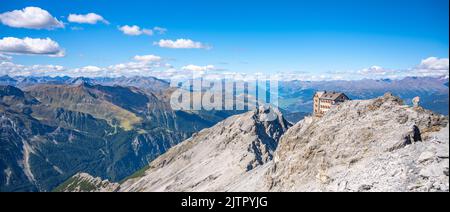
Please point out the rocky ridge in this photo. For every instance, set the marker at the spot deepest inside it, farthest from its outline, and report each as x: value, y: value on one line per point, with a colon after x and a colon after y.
x: 212, y: 158
x: 364, y: 145
x: 83, y: 182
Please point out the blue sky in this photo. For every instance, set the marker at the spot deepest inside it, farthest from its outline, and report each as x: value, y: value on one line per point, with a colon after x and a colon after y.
x: 252, y: 36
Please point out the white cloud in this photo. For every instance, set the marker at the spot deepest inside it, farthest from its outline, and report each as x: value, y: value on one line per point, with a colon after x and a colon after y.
x: 124, y: 69
x: 32, y: 46
x: 198, y: 68
x: 90, y: 18
x: 147, y: 32
x: 4, y: 58
x: 130, y: 68
x: 12, y: 69
x: 160, y: 30
x: 181, y: 44
x: 92, y: 69
x: 144, y: 65
x: 375, y: 70
x: 135, y: 30
x: 432, y: 66
x: 153, y: 65
x: 137, y: 69
x: 429, y: 67
x: 434, y: 63
x: 30, y: 18
x: 147, y: 58
x: 87, y: 71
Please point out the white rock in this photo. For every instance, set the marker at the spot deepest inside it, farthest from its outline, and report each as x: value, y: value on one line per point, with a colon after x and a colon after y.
x: 433, y: 170
x: 426, y: 156
x: 442, y: 153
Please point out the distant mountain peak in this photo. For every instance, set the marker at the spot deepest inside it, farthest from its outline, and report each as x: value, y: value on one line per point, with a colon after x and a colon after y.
x: 82, y: 81
x: 9, y: 90
x: 7, y: 78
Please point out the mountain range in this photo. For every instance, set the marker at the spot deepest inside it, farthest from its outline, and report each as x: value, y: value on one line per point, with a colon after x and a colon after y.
x: 295, y: 96
x: 379, y: 144
x: 120, y: 134
x: 49, y: 132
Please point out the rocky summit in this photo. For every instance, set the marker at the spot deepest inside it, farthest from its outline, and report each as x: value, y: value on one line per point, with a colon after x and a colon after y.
x: 366, y: 145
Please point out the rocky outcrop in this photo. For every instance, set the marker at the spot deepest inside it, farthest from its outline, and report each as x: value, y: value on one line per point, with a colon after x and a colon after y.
x: 83, y: 182
x: 216, y: 156
x: 368, y: 145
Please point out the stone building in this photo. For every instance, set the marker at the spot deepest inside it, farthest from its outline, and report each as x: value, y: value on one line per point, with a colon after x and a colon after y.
x: 324, y: 100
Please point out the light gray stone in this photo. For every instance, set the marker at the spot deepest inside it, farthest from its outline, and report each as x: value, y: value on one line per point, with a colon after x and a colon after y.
x: 426, y: 156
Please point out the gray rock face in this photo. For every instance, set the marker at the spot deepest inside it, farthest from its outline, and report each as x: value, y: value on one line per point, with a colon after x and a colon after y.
x: 370, y: 145
x: 214, y: 157
x: 367, y: 145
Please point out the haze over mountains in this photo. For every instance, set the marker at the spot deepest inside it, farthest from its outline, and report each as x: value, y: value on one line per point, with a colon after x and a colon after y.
x: 54, y: 128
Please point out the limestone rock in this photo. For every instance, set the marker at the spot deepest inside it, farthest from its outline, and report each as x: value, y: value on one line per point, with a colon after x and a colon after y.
x: 426, y: 156
x: 362, y: 145
x: 379, y: 144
